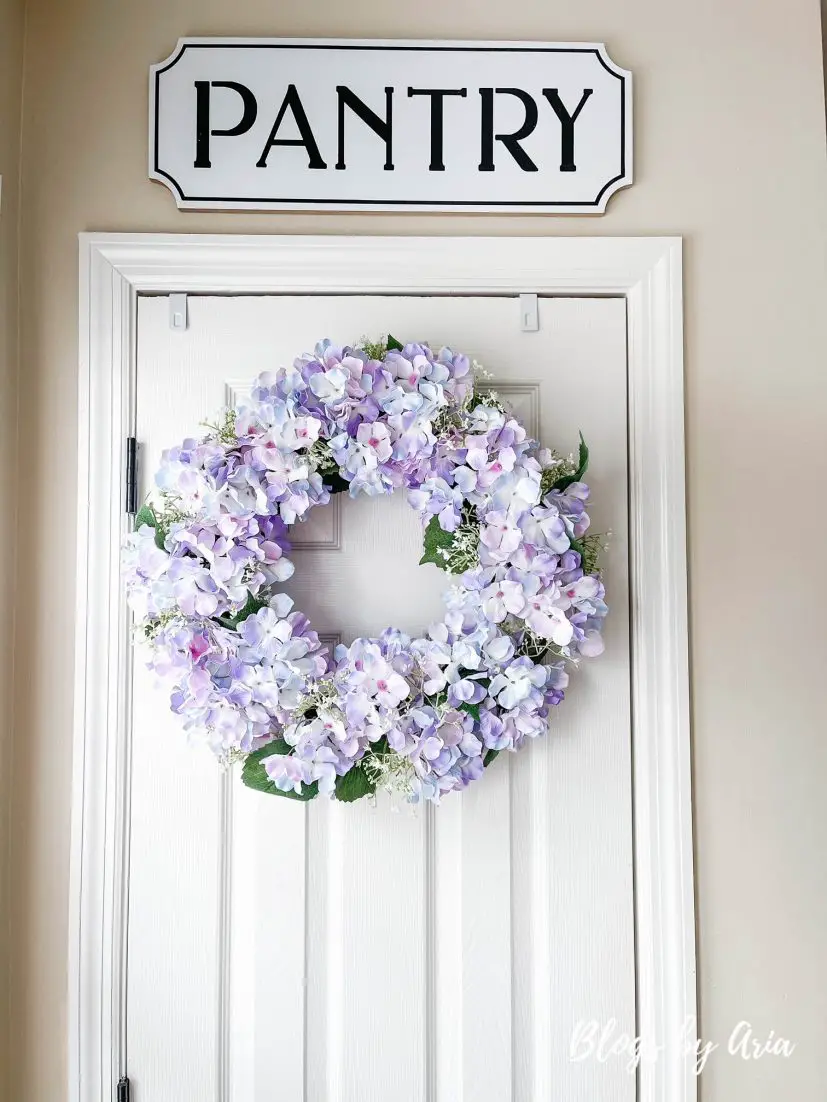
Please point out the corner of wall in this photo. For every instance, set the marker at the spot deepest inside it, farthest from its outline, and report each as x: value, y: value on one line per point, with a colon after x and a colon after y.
x: 12, y: 34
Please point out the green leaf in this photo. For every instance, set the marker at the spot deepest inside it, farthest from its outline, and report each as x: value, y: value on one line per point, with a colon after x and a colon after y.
x: 254, y: 775
x: 394, y: 345
x: 582, y: 460
x: 489, y: 757
x: 582, y: 466
x: 277, y: 746
x: 354, y: 785
x: 251, y: 607
x: 438, y: 699
x: 436, y: 540
x: 335, y: 483
x: 145, y: 515
x: 379, y: 747
x: 471, y: 709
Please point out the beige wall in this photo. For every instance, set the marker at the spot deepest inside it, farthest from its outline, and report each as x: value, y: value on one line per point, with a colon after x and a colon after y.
x: 11, y: 65
x: 731, y: 154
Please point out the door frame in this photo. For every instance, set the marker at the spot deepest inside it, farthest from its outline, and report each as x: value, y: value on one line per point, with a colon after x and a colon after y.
x: 114, y: 270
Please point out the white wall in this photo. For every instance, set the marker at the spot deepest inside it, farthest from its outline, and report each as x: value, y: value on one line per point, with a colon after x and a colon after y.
x: 730, y: 153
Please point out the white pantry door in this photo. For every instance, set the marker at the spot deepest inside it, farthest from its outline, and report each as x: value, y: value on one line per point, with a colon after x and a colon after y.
x: 283, y: 952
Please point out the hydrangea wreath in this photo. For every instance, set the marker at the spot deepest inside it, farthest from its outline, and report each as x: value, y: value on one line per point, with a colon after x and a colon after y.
x: 504, y: 517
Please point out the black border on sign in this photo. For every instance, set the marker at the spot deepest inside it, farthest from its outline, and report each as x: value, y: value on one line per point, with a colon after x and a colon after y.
x: 345, y: 203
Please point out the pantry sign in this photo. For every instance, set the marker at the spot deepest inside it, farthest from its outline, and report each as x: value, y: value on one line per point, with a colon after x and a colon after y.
x: 286, y: 124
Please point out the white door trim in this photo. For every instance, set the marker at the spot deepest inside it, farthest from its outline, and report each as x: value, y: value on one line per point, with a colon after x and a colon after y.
x: 114, y: 270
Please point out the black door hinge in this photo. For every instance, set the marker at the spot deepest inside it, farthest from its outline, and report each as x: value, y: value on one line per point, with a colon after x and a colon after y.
x: 131, y: 489
x: 122, y: 1094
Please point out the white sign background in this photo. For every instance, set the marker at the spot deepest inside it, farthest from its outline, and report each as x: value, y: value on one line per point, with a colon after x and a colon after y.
x: 509, y: 90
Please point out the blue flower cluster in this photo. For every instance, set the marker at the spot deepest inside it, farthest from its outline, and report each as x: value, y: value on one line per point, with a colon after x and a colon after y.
x: 504, y: 517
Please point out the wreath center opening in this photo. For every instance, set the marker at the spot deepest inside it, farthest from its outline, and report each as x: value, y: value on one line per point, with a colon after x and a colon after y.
x: 364, y: 573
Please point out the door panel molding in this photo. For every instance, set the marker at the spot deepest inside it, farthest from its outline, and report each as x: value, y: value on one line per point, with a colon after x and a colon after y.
x: 114, y: 270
